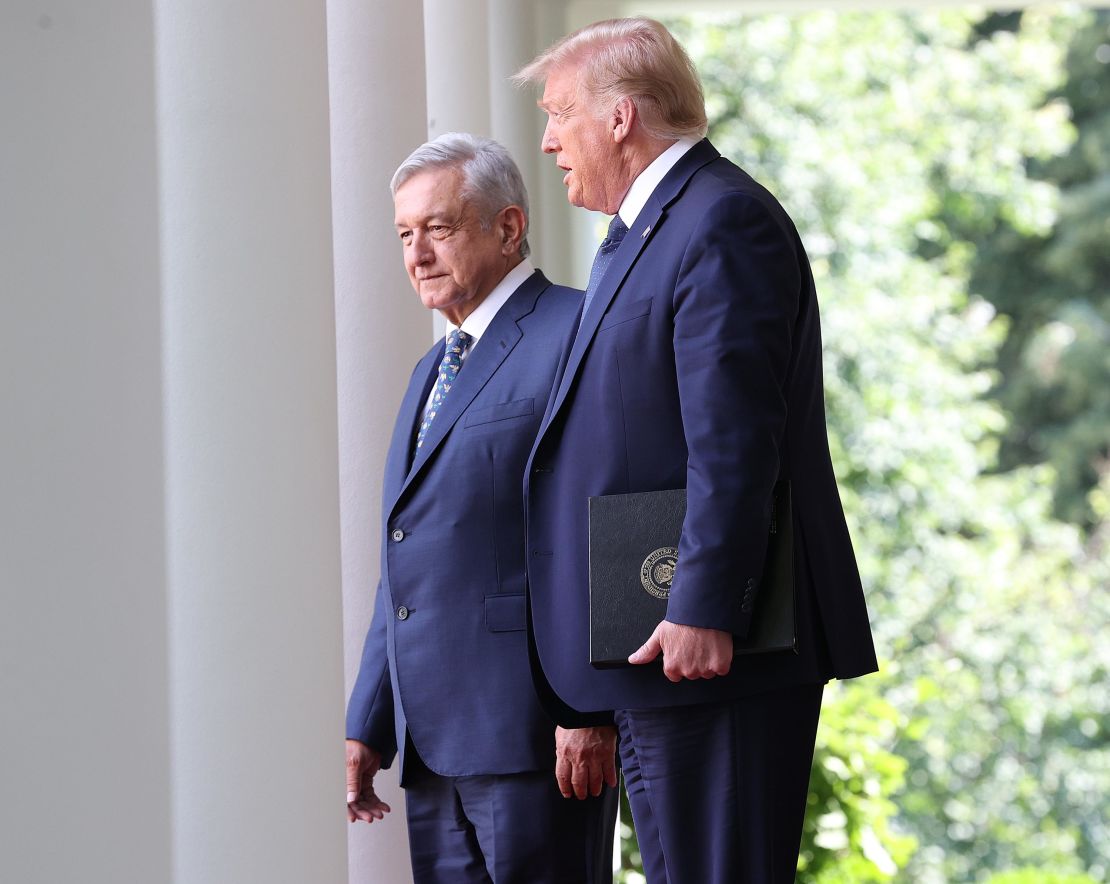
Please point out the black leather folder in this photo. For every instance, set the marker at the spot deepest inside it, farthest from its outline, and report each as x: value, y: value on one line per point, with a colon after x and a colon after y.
x: 633, y: 556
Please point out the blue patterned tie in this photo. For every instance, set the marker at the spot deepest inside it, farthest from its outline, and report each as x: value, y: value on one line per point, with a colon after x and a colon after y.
x: 602, y: 259
x: 457, y: 343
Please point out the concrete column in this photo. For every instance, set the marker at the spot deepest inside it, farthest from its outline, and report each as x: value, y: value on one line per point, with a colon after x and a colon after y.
x: 251, y: 444
x: 83, y: 710
x: 456, y: 59
x: 553, y: 217
x: 516, y: 121
x: 457, y: 53
x: 376, y: 72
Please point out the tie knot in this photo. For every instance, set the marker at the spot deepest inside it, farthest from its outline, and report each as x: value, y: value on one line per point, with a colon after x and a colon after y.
x: 458, y: 341
x: 616, y: 233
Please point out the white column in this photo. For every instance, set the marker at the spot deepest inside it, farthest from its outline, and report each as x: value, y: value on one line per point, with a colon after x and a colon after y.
x: 83, y: 712
x: 516, y: 121
x: 553, y: 218
x: 457, y: 52
x: 456, y: 59
x: 376, y: 71
x: 252, y: 476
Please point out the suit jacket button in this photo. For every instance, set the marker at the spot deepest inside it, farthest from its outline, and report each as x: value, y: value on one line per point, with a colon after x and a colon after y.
x: 398, y: 535
x: 402, y: 613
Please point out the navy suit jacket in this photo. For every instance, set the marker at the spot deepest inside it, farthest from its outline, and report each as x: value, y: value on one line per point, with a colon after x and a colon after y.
x: 697, y: 366
x: 446, y: 655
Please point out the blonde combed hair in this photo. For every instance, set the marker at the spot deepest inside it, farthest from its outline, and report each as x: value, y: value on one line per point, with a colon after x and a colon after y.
x: 634, y: 58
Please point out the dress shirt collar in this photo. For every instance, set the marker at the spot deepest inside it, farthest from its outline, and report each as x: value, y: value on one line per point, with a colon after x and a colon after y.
x: 649, y: 179
x: 478, y: 321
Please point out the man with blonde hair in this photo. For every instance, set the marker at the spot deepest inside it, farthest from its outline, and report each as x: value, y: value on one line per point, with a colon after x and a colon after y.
x: 696, y: 365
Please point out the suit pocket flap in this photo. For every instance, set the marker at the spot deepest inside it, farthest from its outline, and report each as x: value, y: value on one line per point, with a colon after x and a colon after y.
x: 505, y: 613
x: 619, y: 313
x: 501, y: 411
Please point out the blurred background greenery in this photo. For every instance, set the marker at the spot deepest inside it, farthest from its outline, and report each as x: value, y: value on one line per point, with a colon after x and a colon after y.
x: 949, y: 170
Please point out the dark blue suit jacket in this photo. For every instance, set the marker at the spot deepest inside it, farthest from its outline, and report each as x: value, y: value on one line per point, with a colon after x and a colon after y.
x: 446, y: 656
x: 698, y: 365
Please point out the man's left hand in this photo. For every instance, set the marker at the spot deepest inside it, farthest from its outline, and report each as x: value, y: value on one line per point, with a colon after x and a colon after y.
x: 363, y: 803
x: 585, y: 758
x: 688, y: 651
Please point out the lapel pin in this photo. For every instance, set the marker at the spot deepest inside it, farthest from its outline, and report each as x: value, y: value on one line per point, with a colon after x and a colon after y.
x: 647, y: 230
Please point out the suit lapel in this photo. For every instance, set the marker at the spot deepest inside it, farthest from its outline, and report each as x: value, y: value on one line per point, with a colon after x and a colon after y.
x: 408, y: 419
x: 484, y: 359
x: 637, y: 238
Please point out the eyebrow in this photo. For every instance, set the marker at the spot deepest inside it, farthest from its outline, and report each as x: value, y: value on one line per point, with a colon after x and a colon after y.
x: 555, y: 107
x: 425, y: 220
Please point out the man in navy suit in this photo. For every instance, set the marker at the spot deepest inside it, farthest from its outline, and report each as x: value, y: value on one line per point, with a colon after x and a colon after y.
x: 445, y: 681
x: 697, y: 365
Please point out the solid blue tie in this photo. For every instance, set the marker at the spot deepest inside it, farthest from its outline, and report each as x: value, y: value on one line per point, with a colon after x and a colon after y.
x: 457, y: 343
x: 602, y: 259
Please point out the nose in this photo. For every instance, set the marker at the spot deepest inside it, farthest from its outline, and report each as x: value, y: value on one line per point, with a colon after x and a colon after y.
x: 421, y: 246
x: 549, y: 143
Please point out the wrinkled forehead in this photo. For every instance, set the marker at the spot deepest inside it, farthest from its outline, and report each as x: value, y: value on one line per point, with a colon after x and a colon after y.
x: 437, y: 190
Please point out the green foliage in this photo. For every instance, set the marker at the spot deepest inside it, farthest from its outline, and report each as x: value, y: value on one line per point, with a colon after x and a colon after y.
x: 902, y: 145
x: 1039, y: 876
x: 848, y: 838
x: 1055, y: 287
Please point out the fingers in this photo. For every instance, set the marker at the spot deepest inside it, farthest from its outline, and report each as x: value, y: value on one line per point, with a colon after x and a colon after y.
x: 691, y: 652
x: 585, y: 760
x: 609, y: 772
x: 648, y: 651
x: 363, y: 804
x: 587, y: 779
x: 367, y: 809
x: 354, y: 775
x: 563, y: 771
x: 580, y: 780
x: 590, y: 777
x: 597, y: 779
x: 676, y: 669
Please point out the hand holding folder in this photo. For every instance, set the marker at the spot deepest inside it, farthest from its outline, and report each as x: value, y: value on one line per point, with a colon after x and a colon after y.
x: 633, y: 557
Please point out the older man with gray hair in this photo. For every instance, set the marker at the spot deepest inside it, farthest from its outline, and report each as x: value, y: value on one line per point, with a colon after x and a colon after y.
x: 444, y: 682
x: 697, y: 366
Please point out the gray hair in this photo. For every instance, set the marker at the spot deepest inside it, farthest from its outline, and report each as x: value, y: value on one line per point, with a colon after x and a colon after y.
x: 491, y: 180
x: 634, y: 58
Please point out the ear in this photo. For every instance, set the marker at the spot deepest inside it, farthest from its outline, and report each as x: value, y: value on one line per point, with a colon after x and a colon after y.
x: 510, y: 226
x: 622, y: 119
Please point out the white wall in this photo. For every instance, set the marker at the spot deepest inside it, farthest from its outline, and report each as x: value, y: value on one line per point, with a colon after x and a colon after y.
x: 83, y: 706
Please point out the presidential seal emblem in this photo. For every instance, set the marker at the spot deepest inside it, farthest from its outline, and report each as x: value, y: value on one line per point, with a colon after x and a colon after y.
x: 657, y: 571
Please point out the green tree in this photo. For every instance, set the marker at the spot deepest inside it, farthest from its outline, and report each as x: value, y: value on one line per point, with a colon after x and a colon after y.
x: 1054, y: 287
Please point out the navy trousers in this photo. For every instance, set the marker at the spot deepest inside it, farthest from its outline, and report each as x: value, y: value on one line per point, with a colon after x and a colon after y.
x: 718, y: 791
x: 505, y: 829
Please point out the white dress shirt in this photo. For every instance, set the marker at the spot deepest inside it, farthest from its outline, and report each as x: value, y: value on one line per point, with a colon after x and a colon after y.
x: 479, y: 319
x: 649, y: 179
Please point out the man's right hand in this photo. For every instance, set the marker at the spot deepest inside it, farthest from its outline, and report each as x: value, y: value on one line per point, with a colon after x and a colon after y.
x: 362, y: 764
x: 585, y: 760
